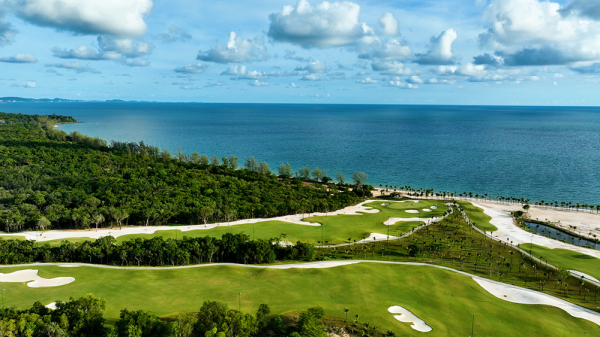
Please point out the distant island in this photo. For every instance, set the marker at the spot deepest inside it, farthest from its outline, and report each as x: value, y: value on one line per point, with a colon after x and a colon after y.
x: 35, y: 100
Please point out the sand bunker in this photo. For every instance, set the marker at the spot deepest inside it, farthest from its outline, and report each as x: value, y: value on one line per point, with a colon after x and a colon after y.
x: 585, y: 276
x: 38, y: 281
x: 426, y: 210
x: 433, y: 207
x: 412, y: 211
x: 385, y: 204
x: 408, y: 317
x: 51, y: 306
x: 526, y: 296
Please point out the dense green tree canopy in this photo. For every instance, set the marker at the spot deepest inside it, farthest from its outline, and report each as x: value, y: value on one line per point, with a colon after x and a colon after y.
x: 53, y: 180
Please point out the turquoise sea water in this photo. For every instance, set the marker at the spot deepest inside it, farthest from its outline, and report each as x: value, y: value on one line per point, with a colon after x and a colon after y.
x: 540, y: 153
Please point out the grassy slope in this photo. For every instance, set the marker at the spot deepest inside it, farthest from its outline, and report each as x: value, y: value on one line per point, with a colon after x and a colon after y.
x: 481, y: 220
x: 443, y: 299
x: 568, y: 259
x: 337, y: 229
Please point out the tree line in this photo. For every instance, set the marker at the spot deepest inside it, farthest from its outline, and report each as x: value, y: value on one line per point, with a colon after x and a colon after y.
x: 426, y: 192
x: 84, y: 317
x: 50, y: 179
x: 231, y: 248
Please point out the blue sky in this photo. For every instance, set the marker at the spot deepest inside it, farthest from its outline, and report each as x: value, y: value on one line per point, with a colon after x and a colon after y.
x: 527, y: 52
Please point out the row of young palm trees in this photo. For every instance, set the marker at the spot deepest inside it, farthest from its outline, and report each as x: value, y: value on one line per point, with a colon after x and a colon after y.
x: 423, y: 192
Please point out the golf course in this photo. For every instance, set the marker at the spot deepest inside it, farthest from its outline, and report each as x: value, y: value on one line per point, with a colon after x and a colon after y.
x: 336, y: 229
x: 445, y: 300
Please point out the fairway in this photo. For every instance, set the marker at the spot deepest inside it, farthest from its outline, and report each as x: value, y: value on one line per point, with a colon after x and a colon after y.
x: 337, y: 229
x: 476, y: 215
x: 567, y: 259
x: 443, y: 299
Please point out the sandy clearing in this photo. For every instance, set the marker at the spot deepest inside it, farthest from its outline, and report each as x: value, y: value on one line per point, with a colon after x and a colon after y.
x: 526, y: 296
x: 28, y: 275
x: 586, y: 277
x: 585, y: 221
x: 426, y: 210
x: 413, y: 211
x: 507, y: 231
x: 408, y: 317
x: 51, y: 306
x: 433, y: 207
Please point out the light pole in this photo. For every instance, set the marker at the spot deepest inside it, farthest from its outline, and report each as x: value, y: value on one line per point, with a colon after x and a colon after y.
x: 531, y: 245
x: 253, y: 237
x: 240, y: 302
x: 473, y: 325
x: 388, y: 237
x: 3, y: 297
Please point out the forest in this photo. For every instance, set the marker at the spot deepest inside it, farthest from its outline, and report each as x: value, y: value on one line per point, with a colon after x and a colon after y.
x: 232, y: 248
x: 84, y: 317
x: 53, y: 180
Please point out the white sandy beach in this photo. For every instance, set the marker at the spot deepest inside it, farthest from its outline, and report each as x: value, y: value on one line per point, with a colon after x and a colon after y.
x: 509, y: 232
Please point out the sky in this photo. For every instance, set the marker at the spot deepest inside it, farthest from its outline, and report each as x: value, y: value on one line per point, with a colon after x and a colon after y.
x: 494, y: 52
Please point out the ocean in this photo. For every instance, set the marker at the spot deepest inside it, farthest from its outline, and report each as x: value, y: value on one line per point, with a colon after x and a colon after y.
x: 538, y: 153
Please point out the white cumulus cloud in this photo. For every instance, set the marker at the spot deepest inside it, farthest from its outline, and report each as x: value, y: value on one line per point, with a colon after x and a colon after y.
x: 389, y: 24
x: 257, y: 83
x: 19, y: 58
x: 326, y: 25
x: 367, y: 80
x: 191, y: 69
x: 112, y: 17
x: 440, y: 51
x: 534, y: 33
x: 236, y: 50
x: 312, y: 67
x: 109, y: 48
x: 390, y: 67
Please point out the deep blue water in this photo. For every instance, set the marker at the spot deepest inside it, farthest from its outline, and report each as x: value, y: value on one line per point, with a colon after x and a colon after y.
x: 549, y: 153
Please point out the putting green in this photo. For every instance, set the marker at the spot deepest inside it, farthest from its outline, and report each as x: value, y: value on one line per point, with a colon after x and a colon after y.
x: 443, y: 299
x: 568, y: 259
x: 476, y: 215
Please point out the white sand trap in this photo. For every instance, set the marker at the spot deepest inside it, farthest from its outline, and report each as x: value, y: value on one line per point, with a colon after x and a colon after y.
x: 51, y: 306
x: 393, y: 221
x: 38, y: 281
x: 412, y: 211
x: 586, y: 277
x: 385, y: 204
x: 408, y: 317
x: 526, y: 296
x: 426, y: 210
x: 433, y: 207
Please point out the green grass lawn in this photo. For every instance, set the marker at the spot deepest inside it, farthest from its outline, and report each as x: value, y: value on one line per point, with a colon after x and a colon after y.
x: 338, y: 229
x: 476, y: 215
x: 567, y: 259
x: 443, y: 299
